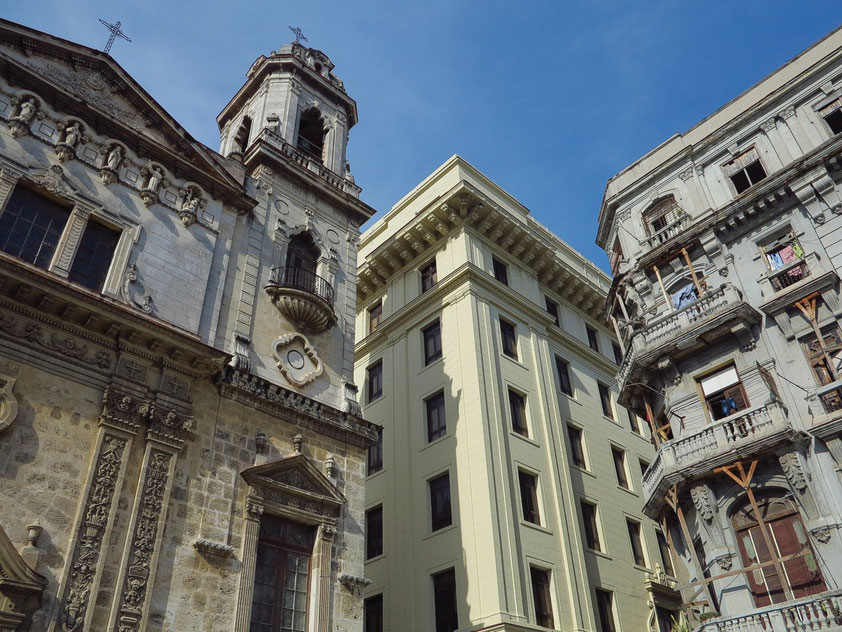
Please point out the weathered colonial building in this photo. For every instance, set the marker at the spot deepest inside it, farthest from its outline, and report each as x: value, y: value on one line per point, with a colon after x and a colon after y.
x: 180, y: 444
x: 725, y: 242
x: 505, y: 491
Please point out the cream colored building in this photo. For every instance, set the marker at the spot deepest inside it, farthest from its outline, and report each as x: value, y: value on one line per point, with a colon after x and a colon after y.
x: 180, y: 443
x: 475, y: 493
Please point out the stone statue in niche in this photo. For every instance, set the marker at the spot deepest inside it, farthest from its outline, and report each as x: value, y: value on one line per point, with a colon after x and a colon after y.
x: 113, y: 158
x: 20, y: 122
x: 190, y: 206
x: 66, y: 148
x: 154, y: 176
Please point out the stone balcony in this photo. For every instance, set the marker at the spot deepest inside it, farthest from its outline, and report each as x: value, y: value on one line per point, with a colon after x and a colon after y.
x: 789, y: 283
x: 741, y: 435
x: 688, y: 329
x: 826, y: 411
x: 666, y: 234
x: 303, y: 297
x: 818, y: 612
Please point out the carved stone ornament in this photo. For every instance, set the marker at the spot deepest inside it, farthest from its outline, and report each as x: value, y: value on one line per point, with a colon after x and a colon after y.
x: 210, y: 547
x: 297, y: 361
x: 8, y: 402
x: 112, y: 158
x: 20, y: 588
x: 26, y: 110
x: 133, y: 291
x: 153, y: 177
x: 59, y: 343
x: 725, y: 562
x: 701, y: 499
x: 191, y: 204
x: 71, y: 135
x: 53, y: 180
x: 791, y: 465
x: 822, y: 535
x: 354, y: 583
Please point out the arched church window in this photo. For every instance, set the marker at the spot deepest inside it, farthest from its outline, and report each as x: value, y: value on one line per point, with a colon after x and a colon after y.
x: 311, y: 133
x: 785, y: 531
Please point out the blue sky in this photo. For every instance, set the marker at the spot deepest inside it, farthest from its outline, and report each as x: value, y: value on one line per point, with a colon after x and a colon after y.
x: 548, y: 98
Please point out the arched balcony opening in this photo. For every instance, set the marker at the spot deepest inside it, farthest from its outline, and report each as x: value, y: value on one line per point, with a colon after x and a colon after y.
x: 311, y: 134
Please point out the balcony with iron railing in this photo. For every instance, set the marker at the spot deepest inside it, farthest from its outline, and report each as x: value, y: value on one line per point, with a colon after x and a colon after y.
x: 303, y: 297
x: 821, y: 612
x: 665, y: 234
x: 785, y: 285
x: 745, y: 433
x: 826, y: 410
x: 686, y: 329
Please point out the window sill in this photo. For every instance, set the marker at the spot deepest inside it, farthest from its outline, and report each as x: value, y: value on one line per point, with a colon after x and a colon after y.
x: 645, y: 569
x: 599, y: 553
x: 525, y: 438
x: 572, y: 397
x: 432, y: 363
x: 611, y: 419
x: 631, y: 492
x: 582, y: 470
x: 436, y: 441
x: 514, y: 361
x: 449, y: 527
x: 536, y: 527
x: 375, y: 558
x: 375, y: 474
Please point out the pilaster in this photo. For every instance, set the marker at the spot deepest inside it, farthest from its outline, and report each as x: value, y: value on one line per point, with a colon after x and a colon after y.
x: 70, y: 237
x: 254, y: 509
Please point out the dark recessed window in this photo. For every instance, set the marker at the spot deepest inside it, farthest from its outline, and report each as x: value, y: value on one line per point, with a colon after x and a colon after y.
x: 501, y: 272
x: 373, y: 614
x: 605, y: 608
x: 436, y: 421
x: 440, y: 502
x: 429, y: 277
x: 374, y: 532
x: 636, y: 542
x: 529, y: 496
x: 432, y: 342
x: 375, y: 454
x: 552, y: 309
x: 93, y: 256
x: 507, y: 333
x: 375, y: 381
x: 541, y: 597
x: 634, y: 422
x: 593, y: 341
x: 745, y: 170
x: 664, y: 550
x: 577, y: 447
x: 279, y: 599
x: 834, y: 121
x: 723, y: 392
x: 375, y: 314
x: 643, y: 466
x: 563, y: 370
x: 31, y: 226
x: 618, y: 353
x: 605, y: 400
x: 517, y: 407
x: 619, y: 457
x: 591, y: 527
x: 311, y: 133
x: 444, y: 599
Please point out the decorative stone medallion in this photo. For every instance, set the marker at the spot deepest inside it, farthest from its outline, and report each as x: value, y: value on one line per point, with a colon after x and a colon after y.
x: 8, y: 402
x: 297, y: 360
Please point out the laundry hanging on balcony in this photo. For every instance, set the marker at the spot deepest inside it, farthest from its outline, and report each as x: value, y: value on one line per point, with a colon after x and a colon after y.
x: 684, y: 296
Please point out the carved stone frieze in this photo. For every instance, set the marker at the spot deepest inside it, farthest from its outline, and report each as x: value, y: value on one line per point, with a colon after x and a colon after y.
x: 59, y: 343
x: 791, y: 465
x: 702, y: 501
x: 126, y: 410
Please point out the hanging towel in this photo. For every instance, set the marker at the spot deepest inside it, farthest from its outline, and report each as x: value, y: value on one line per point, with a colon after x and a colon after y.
x: 787, y: 254
x: 797, y: 250
x: 684, y: 296
x: 775, y: 260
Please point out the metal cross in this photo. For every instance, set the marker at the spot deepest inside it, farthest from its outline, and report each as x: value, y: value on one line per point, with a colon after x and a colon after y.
x: 115, y: 32
x: 299, y: 35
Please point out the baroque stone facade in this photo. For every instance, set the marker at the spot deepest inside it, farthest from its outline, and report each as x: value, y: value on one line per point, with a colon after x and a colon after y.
x: 176, y: 349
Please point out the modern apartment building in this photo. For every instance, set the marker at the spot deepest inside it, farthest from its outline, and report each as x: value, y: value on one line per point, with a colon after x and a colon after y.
x: 726, y: 243
x: 505, y: 492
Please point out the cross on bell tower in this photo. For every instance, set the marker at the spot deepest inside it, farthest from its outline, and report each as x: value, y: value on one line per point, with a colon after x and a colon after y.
x: 115, y: 33
x: 299, y: 34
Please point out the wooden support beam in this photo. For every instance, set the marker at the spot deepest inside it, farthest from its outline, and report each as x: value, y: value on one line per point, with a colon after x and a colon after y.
x: 692, y: 271
x: 663, y: 289
x: 672, y: 500
x: 651, y: 419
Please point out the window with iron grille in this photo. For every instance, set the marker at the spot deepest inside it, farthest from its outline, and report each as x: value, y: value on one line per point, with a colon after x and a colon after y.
x: 432, y: 342
x: 31, y: 226
x: 517, y: 408
x: 375, y: 454
x: 444, y: 601
x: 507, y: 333
x: 660, y: 215
x: 541, y: 597
x: 440, y: 509
x: 429, y: 276
x: 93, y: 255
x: 436, y: 421
x: 529, y: 496
x: 374, y: 532
x: 745, y: 170
x: 375, y: 381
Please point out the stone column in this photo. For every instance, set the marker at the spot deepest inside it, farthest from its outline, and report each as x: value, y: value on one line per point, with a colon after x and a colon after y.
x: 95, y: 519
x: 70, y: 237
x: 254, y: 509
x: 324, y: 548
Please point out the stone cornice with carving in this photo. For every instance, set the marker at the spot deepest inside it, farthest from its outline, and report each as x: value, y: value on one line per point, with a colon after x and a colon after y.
x: 295, y: 408
x: 165, y: 423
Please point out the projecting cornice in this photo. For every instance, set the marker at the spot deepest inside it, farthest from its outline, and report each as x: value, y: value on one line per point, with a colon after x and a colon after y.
x: 556, y: 265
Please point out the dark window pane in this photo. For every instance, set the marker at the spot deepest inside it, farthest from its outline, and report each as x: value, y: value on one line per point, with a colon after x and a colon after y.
x: 755, y: 172
x: 620, y: 467
x: 93, y: 256
x: 541, y: 597
x: 552, y: 309
x: 373, y: 614
x: 432, y: 342
x: 605, y: 607
x: 529, y: 497
x: 517, y: 406
x: 563, y: 370
x: 436, y: 421
x: 429, y: 277
x: 440, y: 502
x: 634, y: 422
x: 507, y: 333
x: 643, y: 466
x: 618, y: 353
x: 664, y: 549
x: 375, y: 314
x: 444, y: 598
x: 577, y: 448
x: 591, y: 528
x: 605, y: 399
x: 636, y: 542
x: 593, y: 341
x: 375, y: 454
x: 374, y: 532
x: 740, y: 180
x: 375, y: 381
x: 500, y: 271
x: 31, y: 226
x: 834, y: 121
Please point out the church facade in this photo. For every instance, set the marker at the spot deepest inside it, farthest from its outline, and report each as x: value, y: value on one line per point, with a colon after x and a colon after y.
x: 180, y: 442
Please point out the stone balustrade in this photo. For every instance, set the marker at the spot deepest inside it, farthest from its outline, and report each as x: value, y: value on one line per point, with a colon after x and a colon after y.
x: 667, y: 232
x: 817, y: 612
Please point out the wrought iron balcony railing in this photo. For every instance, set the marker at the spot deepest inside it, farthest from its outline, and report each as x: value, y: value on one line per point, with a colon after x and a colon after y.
x: 301, y: 279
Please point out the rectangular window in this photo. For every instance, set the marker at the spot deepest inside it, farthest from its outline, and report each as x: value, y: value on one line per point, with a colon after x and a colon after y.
x: 723, y: 392
x: 832, y: 115
x: 552, y: 309
x: 593, y: 340
x: 619, y: 457
x: 374, y: 532
x: 501, y: 272
x: 605, y: 400
x: 517, y: 407
x: 31, y: 227
x: 429, y: 277
x: 440, y: 502
x: 664, y: 550
x: 664, y: 213
x: 436, y: 421
x: 605, y: 608
x: 507, y: 333
x: 375, y: 454
x: 618, y: 353
x: 643, y: 466
x: 444, y: 599
x: 563, y: 370
x: 279, y: 600
x: 634, y: 422
x: 93, y: 256
x: 636, y: 542
x: 745, y: 170
x: 373, y: 614
x: 432, y: 342
x: 529, y: 497
x: 375, y: 381
x: 541, y: 597
x: 577, y: 446
x: 375, y: 314
x: 591, y: 527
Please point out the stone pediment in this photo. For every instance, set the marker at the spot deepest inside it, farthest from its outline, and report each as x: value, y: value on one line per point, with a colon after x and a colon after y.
x: 295, y: 475
x: 20, y: 586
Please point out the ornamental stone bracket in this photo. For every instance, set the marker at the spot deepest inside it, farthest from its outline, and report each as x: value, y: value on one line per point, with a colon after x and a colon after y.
x: 20, y: 587
x: 297, y: 361
x: 8, y: 402
x: 354, y: 583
